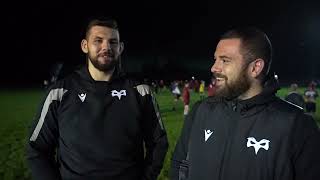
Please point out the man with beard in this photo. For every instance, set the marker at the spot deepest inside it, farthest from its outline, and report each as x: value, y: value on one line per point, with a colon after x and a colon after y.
x: 245, y: 132
x: 97, y: 123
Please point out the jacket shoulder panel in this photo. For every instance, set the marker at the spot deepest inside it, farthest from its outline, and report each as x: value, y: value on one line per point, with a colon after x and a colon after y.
x: 284, y: 106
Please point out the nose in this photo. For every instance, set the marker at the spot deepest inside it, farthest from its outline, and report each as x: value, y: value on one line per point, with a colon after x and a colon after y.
x: 215, y: 68
x: 106, y: 45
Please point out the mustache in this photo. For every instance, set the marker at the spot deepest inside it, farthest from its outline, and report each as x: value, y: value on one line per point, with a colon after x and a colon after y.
x: 106, y: 53
x: 218, y: 75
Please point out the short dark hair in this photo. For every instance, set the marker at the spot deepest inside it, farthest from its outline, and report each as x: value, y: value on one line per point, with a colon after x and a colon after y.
x: 254, y: 44
x: 106, y: 22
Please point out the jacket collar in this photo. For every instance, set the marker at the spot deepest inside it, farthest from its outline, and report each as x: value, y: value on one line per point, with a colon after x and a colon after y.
x: 255, y: 104
x: 84, y: 73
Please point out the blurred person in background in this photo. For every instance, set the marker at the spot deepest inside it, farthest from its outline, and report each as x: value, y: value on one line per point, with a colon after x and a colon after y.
x: 212, y: 87
x: 186, y: 98
x: 201, y: 90
x: 295, y: 97
x: 176, y: 94
x: 310, y: 96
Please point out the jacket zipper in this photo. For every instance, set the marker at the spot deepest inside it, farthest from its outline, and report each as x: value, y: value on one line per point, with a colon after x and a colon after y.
x: 229, y: 139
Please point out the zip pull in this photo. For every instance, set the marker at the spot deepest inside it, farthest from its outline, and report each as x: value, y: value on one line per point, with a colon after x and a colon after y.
x: 234, y: 106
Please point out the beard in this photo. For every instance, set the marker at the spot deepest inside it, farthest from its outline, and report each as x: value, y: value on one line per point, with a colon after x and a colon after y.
x: 235, y: 88
x: 105, y: 67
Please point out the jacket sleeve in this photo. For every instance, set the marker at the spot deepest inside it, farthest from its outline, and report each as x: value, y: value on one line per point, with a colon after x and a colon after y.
x: 306, y: 156
x: 154, y: 134
x: 43, y: 139
x: 179, y: 164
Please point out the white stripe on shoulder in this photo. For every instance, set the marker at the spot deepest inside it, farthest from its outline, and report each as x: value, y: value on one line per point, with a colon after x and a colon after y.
x: 54, y: 95
x: 157, y: 111
x: 143, y: 89
x: 292, y: 104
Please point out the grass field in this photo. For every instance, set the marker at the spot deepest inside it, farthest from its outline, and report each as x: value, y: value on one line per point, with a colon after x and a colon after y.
x: 17, y: 108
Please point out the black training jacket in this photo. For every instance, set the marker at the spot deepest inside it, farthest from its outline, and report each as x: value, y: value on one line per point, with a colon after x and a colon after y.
x: 262, y: 138
x: 88, y: 129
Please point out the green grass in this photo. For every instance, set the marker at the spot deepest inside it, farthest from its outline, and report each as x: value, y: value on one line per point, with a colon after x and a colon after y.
x: 17, y: 109
x: 173, y: 121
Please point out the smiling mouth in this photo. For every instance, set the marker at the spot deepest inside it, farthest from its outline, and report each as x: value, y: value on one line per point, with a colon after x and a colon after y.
x: 219, y: 82
x: 219, y: 76
x: 220, y: 79
x: 106, y: 55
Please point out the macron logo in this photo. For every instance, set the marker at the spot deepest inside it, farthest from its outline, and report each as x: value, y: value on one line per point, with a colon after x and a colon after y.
x: 82, y: 96
x: 207, y: 134
x: 118, y: 94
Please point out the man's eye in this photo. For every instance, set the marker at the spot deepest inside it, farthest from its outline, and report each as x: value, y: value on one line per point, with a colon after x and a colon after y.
x: 225, y: 60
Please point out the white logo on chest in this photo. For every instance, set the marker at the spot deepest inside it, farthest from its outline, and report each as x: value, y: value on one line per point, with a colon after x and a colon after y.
x: 118, y: 93
x: 252, y: 142
x: 207, y: 134
x: 82, y: 96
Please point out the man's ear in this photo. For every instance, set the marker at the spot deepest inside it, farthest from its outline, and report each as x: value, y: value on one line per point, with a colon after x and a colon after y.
x: 257, y: 67
x: 84, y: 46
x: 121, y: 47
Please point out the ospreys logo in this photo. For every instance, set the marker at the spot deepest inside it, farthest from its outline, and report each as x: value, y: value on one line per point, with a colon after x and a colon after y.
x: 252, y: 142
x: 118, y: 93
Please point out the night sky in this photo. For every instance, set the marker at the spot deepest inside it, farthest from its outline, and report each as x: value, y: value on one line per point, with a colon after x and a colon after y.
x: 170, y: 37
